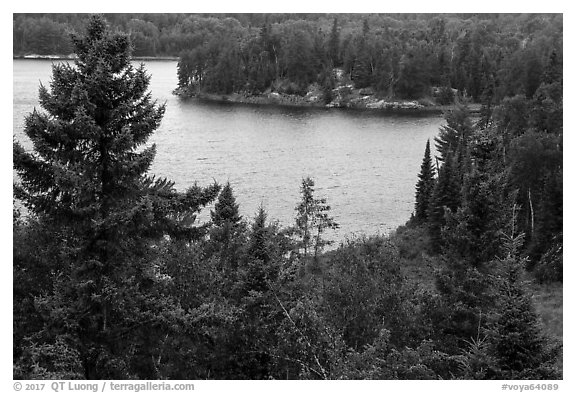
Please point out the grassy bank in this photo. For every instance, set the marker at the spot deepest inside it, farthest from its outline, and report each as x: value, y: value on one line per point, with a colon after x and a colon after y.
x: 420, y: 268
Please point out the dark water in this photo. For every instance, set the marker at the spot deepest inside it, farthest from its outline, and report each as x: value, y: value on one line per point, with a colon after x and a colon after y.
x: 364, y: 164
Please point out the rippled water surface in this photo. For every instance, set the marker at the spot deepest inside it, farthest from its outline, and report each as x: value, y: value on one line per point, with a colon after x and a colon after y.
x: 364, y: 164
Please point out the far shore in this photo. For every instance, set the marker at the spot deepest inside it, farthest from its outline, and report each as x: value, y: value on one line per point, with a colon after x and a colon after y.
x: 288, y: 100
x: 294, y: 101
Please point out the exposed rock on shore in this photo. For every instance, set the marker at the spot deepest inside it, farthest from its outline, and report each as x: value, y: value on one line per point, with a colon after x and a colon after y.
x: 343, y: 95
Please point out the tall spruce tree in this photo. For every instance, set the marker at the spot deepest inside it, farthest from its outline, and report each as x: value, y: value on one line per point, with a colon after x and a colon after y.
x: 446, y: 195
x: 455, y: 135
x: 225, y: 236
x: 226, y: 209
x: 257, y: 247
x: 261, y: 262
x: 425, y: 185
x: 225, y: 217
x: 86, y: 179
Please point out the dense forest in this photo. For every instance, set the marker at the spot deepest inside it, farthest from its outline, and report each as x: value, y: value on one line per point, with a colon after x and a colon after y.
x: 114, y: 278
x: 485, y: 57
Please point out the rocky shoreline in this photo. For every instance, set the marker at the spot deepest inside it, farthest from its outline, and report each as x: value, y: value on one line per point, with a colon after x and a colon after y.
x: 366, y: 102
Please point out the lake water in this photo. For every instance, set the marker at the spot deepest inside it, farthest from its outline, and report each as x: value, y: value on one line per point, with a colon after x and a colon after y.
x: 364, y: 164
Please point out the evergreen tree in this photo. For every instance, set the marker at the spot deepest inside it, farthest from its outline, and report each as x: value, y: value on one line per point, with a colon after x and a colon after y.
x: 455, y: 135
x: 535, y: 167
x: 260, y: 266
x: 87, y: 181
x: 266, y: 247
x: 226, y: 235
x: 312, y: 219
x: 425, y: 185
x: 474, y: 232
x: 362, y: 69
x: 258, y: 247
x: 413, y: 74
x: 299, y: 60
x: 305, y: 216
x: 328, y: 82
x: 334, y: 44
x: 553, y: 72
x: 518, y: 344
x: 549, y: 221
x: 532, y: 73
x: 446, y: 195
x: 547, y: 108
x: 487, y: 101
x: 323, y: 222
x: 365, y: 27
x: 192, y: 68
x: 226, y: 209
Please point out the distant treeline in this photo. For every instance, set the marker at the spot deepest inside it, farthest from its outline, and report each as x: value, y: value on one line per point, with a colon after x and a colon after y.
x: 482, y: 56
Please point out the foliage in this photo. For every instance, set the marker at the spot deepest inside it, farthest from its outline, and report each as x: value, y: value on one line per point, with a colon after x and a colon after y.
x: 312, y: 220
x: 87, y: 180
x: 445, y: 198
x: 425, y: 185
x: 481, y: 55
x: 114, y: 279
x: 550, y: 266
x: 518, y: 344
x: 445, y: 95
x: 454, y: 137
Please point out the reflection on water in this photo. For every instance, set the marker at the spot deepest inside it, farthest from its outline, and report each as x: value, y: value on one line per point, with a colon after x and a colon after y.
x: 364, y: 163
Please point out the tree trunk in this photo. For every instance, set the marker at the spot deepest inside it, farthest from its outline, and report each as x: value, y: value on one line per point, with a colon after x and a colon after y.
x: 531, y: 214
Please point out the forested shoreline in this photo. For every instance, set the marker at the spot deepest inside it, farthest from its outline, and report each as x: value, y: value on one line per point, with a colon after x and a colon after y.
x: 331, y: 58
x: 115, y: 279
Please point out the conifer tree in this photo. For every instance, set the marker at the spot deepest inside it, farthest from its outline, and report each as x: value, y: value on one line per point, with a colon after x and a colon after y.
x: 85, y: 143
x: 267, y: 244
x: 487, y: 100
x: 258, y: 267
x: 553, y: 72
x: 225, y: 216
x: 518, y: 344
x: 425, y: 185
x: 259, y: 235
x: 549, y: 221
x: 226, y: 209
x: 365, y: 27
x: 362, y: 71
x: 88, y: 168
x: 446, y: 194
x: 532, y: 73
x: 86, y: 179
x: 334, y: 44
x: 455, y: 134
x: 312, y: 219
x: 228, y: 227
